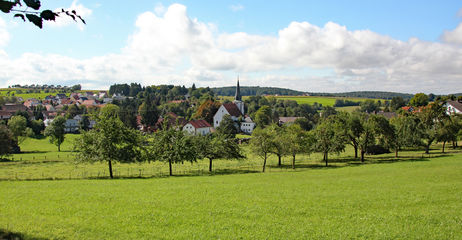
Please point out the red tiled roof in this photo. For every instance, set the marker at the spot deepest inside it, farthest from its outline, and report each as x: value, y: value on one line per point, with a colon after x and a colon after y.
x: 200, y: 123
x: 232, y: 109
x: 14, y: 108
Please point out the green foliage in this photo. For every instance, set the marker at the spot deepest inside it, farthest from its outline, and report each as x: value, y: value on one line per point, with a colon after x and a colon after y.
x: 263, y: 117
x: 55, y: 131
x: 419, y: 100
x: 369, y: 106
x: 110, y: 140
x: 7, y: 141
x: 207, y: 110
x: 262, y: 144
x: 18, y: 126
x: 227, y: 127
x: 397, y: 103
x: 149, y: 113
x: 215, y: 146
x: 330, y: 138
x: 297, y: 141
x: 172, y: 146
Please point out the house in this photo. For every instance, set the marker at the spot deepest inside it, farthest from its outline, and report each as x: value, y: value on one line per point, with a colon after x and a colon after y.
x: 12, y: 107
x: 32, y: 102
x: 236, y: 111
x: 453, y: 107
x: 4, y: 115
x: 61, y: 96
x: 247, y: 126
x: 71, y: 126
x: 197, y: 127
x: 89, y: 103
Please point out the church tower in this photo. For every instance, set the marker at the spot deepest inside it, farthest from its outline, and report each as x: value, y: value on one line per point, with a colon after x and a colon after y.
x: 238, y: 98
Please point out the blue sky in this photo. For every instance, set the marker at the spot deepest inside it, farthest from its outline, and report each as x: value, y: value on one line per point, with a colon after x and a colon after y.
x: 322, y: 46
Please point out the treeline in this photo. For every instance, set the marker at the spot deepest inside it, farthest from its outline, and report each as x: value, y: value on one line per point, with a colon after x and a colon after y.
x: 256, y: 91
x: 366, y: 94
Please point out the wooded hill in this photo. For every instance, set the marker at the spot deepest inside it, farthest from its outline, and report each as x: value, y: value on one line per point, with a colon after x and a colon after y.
x: 257, y: 91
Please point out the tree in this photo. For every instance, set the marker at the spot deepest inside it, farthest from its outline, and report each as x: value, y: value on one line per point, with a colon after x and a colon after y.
x: 367, y: 135
x: 448, y: 130
x: 352, y: 129
x: 408, y: 132
x: 36, y: 17
x: 7, y: 141
x: 148, y: 111
x: 329, y: 138
x: 279, y: 146
x: 207, y: 110
x: 397, y: 103
x: 55, y: 131
x: 84, y: 123
x: 216, y: 146
x: 431, y: 118
x: 419, y: 100
x: 172, y: 146
x: 110, y: 141
x: 262, y: 144
x: 263, y: 116
x: 227, y: 126
x: 18, y: 126
x: 297, y: 141
x: 369, y: 106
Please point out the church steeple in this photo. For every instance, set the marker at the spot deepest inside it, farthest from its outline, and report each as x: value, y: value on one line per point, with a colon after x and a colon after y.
x: 238, y: 97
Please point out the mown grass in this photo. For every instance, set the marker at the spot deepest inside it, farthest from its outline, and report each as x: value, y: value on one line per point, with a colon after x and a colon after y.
x: 418, y: 199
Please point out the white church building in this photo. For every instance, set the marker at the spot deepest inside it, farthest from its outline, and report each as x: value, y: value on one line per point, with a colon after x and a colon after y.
x: 236, y: 111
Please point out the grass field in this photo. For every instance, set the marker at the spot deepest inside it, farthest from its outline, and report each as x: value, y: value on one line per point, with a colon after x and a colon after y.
x: 386, y: 198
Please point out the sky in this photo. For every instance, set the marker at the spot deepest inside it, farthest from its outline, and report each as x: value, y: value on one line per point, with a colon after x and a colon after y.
x: 315, y: 46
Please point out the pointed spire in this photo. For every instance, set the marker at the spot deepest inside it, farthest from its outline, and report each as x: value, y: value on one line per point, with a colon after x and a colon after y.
x: 238, y: 97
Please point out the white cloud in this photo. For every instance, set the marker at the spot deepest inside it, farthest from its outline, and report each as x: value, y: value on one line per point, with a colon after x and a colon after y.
x: 236, y: 7
x: 170, y: 47
x: 64, y: 20
x: 454, y: 36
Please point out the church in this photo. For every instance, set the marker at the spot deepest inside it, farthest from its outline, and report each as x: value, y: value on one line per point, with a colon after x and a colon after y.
x: 237, y: 112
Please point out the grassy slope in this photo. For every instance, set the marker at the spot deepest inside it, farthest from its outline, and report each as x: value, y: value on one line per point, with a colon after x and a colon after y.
x: 405, y: 200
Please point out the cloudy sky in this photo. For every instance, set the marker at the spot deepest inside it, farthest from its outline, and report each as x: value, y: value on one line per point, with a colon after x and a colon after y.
x: 316, y: 46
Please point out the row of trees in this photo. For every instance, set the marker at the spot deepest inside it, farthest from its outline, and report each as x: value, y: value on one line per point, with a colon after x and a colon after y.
x: 111, y: 141
x: 366, y: 133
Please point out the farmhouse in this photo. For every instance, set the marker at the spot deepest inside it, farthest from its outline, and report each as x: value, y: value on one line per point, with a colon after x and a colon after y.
x: 453, y: 107
x: 198, y: 127
x: 236, y: 111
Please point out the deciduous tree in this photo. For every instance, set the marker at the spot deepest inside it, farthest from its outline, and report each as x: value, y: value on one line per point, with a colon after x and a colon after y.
x: 55, y: 131
x: 217, y: 146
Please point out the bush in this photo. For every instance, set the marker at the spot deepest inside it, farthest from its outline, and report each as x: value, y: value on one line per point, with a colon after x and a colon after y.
x: 377, y: 149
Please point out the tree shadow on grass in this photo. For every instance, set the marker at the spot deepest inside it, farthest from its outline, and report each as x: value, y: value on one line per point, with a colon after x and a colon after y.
x: 7, y: 235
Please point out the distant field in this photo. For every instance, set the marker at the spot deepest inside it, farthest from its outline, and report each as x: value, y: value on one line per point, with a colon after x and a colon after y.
x: 325, y: 101
x: 24, y: 95
x: 407, y: 198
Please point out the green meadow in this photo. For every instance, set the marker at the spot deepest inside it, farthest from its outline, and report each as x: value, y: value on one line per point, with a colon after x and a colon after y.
x: 413, y: 197
x: 325, y: 101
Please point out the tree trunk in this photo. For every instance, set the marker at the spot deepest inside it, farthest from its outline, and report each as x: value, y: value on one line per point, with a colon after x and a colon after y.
x: 210, y: 165
x: 110, y: 168
x: 59, y: 147
x: 170, y: 167
x: 444, y: 144
x: 396, y: 153
x: 362, y: 155
x: 454, y: 144
x: 264, y: 163
x: 279, y: 161
x: 325, y: 158
x: 293, y: 161
x: 427, y: 149
x: 356, y: 151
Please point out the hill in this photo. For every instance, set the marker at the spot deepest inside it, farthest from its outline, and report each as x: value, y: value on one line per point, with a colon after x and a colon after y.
x: 256, y: 91
x: 366, y: 94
